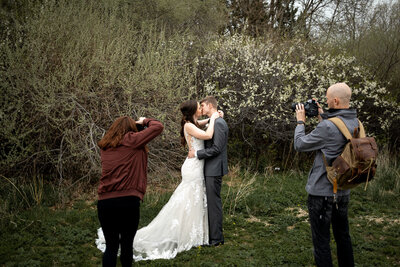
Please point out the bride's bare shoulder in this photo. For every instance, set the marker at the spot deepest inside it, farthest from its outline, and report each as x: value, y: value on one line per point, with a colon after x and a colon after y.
x: 190, y: 128
x: 189, y: 125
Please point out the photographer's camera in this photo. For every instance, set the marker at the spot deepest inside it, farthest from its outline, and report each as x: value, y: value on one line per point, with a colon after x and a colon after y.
x: 310, y: 106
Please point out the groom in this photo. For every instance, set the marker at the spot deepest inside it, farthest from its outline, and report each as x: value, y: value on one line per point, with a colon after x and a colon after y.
x: 216, y: 166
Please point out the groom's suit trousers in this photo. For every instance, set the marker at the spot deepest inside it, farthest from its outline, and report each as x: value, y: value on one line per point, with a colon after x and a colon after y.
x: 214, y: 206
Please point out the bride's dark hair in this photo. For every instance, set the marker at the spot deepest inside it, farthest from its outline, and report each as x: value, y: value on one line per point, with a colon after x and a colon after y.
x: 188, y: 109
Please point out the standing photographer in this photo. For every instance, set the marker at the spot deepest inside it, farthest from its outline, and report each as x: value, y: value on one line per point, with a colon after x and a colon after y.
x: 326, y: 139
x: 123, y: 183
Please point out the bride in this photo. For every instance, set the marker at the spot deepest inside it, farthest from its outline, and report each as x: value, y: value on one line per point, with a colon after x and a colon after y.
x: 182, y: 223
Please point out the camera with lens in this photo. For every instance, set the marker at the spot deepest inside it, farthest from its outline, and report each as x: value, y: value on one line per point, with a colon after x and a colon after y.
x: 310, y: 106
x: 140, y: 127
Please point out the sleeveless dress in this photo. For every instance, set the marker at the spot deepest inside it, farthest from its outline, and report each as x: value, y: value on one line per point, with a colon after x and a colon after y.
x: 182, y: 223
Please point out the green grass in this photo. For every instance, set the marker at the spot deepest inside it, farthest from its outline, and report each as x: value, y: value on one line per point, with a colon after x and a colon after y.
x: 265, y: 223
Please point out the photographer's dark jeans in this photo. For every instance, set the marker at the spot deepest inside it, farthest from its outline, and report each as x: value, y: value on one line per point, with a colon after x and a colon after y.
x: 119, y: 219
x: 323, y: 212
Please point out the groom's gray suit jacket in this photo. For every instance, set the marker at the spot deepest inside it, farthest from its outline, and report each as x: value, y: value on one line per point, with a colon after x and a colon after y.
x: 215, y: 151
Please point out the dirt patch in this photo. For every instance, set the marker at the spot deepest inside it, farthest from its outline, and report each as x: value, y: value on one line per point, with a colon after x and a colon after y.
x: 380, y: 220
x: 255, y: 219
x: 300, y: 213
x: 289, y: 228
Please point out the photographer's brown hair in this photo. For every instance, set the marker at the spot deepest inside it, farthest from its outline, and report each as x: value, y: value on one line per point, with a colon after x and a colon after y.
x: 117, y: 131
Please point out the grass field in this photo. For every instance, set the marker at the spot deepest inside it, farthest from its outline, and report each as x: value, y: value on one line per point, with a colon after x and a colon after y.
x: 265, y: 224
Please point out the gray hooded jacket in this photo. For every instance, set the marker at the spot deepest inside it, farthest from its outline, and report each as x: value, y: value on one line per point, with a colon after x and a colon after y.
x: 327, y: 139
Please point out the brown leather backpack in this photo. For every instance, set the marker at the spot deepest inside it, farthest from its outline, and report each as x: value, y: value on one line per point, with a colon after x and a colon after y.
x: 357, y: 163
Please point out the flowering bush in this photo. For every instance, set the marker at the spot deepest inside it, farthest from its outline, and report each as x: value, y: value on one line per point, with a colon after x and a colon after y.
x: 256, y: 83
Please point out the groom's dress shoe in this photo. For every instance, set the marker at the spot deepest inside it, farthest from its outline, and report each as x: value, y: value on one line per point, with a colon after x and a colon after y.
x: 216, y: 244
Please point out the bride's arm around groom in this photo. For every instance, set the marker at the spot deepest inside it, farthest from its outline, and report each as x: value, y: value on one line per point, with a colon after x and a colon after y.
x: 193, y: 130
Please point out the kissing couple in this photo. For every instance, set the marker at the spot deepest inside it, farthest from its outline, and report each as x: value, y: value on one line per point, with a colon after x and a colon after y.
x: 193, y: 214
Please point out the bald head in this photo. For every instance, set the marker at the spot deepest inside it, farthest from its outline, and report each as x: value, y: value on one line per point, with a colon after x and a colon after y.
x: 338, y: 96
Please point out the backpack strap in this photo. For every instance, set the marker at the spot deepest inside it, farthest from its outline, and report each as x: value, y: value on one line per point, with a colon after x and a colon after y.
x: 345, y: 131
x: 342, y: 127
x: 362, y: 131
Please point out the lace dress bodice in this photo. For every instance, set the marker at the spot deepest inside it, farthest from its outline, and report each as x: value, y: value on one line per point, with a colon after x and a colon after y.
x: 193, y: 142
x: 193, y: 168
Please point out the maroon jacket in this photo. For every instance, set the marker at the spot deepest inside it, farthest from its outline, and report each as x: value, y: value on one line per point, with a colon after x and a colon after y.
x: 124, y: 168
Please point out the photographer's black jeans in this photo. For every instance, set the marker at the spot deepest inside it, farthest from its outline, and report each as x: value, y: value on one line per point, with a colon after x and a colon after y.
x: 323, y: 212
x: 119, y: 219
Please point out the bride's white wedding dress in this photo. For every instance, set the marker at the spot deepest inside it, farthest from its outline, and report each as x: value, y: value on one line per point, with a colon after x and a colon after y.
x: 182, y: 223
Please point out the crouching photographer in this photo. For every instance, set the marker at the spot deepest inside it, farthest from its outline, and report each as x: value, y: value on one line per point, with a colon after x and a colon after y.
x: 324, y: 210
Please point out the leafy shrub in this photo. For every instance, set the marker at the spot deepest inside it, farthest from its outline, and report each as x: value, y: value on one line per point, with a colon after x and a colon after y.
x: 69, y: 71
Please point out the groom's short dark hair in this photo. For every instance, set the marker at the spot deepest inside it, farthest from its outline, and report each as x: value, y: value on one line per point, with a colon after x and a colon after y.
x: 210, y: 100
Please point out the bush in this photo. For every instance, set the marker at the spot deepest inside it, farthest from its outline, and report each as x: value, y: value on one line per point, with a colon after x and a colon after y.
x: 256, y: 82
x: 70, y: 70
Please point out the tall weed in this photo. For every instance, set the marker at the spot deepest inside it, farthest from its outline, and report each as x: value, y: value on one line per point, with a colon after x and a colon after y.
x: 386, y: 183
x: 240, y: 185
